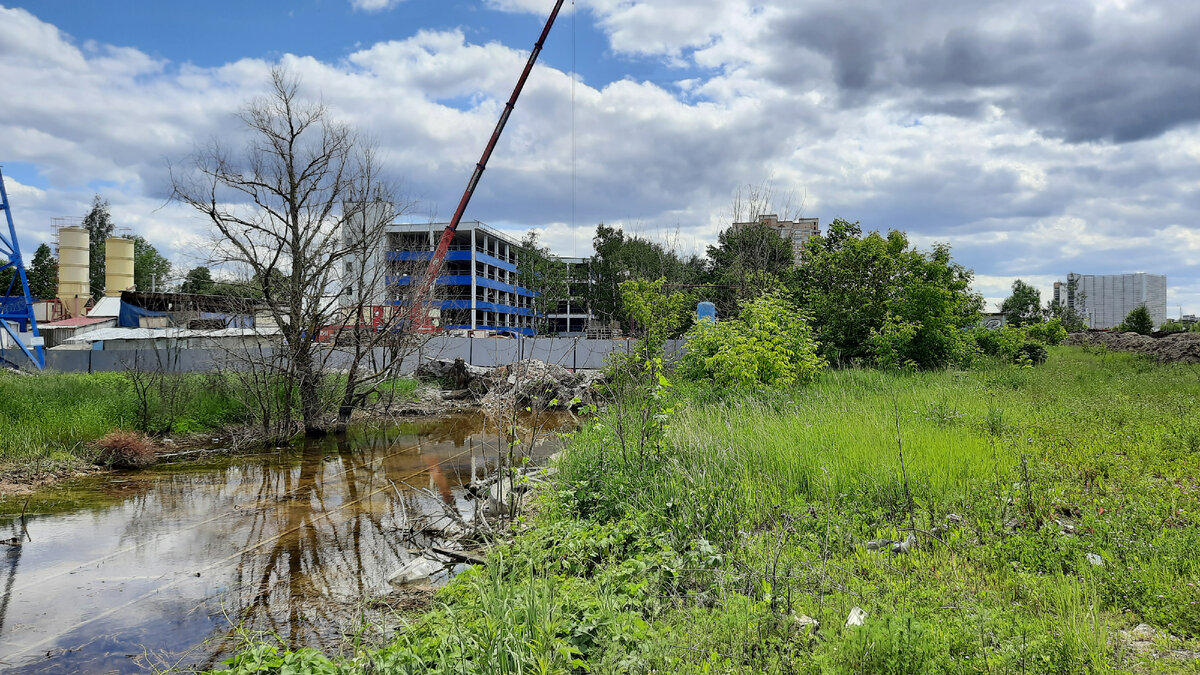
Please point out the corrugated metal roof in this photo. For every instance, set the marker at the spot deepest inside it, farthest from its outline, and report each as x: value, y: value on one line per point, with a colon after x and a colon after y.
x: 76, y: 322
x: 170, y: 334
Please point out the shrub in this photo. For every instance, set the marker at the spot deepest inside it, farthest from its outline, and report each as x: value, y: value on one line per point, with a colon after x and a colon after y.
x: 126, y: 450
x: 1049, y: 332
x: 1031, y: 353
x: 1023, y: 346
x: 769, y: 344
x: 912, y: 344
x: 1138, y: 321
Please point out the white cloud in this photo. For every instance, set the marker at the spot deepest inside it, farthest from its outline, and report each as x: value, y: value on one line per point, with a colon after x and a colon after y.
x: 374, y: 5
x: 660, y: 159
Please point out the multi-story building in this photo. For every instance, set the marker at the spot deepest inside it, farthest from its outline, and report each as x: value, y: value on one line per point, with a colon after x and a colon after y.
x: 797, y: 232
x: 1106, y: 299
x: 477, y: 288
x: 573, y: 313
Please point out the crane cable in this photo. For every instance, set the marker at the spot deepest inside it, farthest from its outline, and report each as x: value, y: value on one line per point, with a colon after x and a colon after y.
x: 574, y: 153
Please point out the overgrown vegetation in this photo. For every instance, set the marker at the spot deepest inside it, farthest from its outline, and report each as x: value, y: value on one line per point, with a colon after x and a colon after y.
x: 53, y: 419
x: 1138, y: 321
x: 1034, y: 515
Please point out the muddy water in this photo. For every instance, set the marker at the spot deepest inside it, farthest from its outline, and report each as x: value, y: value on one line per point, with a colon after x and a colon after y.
x: 137, y: 570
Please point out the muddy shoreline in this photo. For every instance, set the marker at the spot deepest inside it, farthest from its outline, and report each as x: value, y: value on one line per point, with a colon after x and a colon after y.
x: 18, y: 479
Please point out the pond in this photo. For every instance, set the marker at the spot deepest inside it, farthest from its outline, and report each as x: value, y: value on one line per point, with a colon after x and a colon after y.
x: 174, y: 565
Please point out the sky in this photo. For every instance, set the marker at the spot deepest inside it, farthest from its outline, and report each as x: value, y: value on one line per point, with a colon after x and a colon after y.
x: 1036, y: 137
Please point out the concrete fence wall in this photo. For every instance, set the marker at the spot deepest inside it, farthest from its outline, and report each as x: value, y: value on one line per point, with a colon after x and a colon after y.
x: 566, y: 352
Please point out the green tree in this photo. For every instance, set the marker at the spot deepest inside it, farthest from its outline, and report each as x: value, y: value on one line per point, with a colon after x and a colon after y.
x: 1024, y: 306
x: 655, y: 315
x: 869, y: 294
x: 930, y: 309
x: 43, y: 274
x: 1072, y: 319
x: 150, y: 269
x: 1138, y: 321
x: 199, y: 281
x: 845, y: 286
x: 98, y: 223
x: 741, y: 255
x: 543, y: 274
x: 620, y: 257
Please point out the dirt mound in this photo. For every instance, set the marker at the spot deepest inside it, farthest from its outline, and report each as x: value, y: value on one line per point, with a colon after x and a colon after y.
x: 1173, y: 348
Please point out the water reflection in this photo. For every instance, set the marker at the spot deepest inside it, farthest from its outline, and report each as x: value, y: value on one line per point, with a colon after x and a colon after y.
x: 144, y: 567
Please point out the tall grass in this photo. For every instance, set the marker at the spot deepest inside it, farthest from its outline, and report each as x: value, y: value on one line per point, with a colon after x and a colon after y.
x: 1051, y: 508
x: 51, y: 418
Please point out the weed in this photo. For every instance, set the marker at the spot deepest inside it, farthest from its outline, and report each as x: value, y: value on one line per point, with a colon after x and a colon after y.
x: 125, y: 450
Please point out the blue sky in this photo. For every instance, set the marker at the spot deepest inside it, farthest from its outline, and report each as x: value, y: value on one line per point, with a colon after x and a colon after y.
x: 1053, y: 136
x: 329, y: 30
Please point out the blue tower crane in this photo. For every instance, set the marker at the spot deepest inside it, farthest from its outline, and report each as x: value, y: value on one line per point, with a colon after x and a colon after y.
x: 17, y: 309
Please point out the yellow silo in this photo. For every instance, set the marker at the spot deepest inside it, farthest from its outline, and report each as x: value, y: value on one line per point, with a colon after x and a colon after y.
x: 74, y: 289
x: 118, y: 266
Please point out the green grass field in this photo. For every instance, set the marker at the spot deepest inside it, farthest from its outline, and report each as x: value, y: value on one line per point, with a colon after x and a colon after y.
x: 1054, y: 509
x: 50, y: 418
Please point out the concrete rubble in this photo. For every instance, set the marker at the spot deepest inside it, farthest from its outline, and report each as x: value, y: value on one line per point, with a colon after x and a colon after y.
x: 525, y: 384
x: 1171, y: 348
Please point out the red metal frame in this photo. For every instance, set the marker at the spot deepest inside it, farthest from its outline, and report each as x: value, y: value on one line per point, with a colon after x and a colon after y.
x: 421, y: 316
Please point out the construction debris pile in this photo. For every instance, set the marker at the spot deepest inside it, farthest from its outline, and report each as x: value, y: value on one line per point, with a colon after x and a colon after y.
x: 1172, y: 348
x: 525, y: 384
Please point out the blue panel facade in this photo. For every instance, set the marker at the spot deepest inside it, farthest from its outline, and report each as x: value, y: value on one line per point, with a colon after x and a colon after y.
x: 478, y: 280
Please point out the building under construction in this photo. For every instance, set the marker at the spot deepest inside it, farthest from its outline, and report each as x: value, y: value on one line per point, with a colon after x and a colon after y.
x: 1106, y: 299
x: 477, y: 288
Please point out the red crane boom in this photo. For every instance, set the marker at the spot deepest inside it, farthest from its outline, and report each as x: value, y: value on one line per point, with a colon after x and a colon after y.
x: 421, y: 314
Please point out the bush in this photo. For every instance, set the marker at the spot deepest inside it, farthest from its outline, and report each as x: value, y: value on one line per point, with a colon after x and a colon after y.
x: 1049, y: 332
x: 769, y: 344
x: 1023, y: 346
x: 1138, y: 321
x: 913, y: 344
x: 126, y: 450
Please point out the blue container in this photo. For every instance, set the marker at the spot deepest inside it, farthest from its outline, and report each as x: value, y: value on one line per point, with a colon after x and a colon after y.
x: 706, y: 310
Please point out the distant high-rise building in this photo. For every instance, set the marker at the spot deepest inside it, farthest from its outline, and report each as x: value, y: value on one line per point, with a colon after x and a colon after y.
x: 1106, y: 299
x: 796, y: 232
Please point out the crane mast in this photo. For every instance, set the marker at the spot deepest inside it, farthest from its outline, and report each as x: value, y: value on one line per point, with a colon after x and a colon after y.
x: 420, y: 313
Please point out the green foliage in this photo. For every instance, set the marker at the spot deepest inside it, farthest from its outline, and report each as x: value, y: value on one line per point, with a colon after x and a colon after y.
x: 43, y: 274
x: 1025, y: 346
x: 896, y: 645
x: 197, y: 281
x: 1050, y: 332
x: 53, y: 417
x: 769, y: 344
x: 543, y: 274
x: 655, y: 315
x: 1138, y: 321
x: 765, y: 508
x: 1024, y: 306
x: 1168, y: 326
x: 266, y: 659
x: 916, y: 302
x: 740, y: 259
x: 620, y: 257
x: 150, y: 269
x: 98, y: 222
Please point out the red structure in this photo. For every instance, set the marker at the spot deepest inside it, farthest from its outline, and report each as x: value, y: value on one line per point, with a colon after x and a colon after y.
x: 421, y: 320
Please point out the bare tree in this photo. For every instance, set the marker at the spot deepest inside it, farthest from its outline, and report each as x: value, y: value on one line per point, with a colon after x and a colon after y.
x: 278, y: 209
x: 751, y: 201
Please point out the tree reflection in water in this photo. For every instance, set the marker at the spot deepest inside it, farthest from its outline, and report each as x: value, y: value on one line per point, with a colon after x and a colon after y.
x: 178, y: 558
